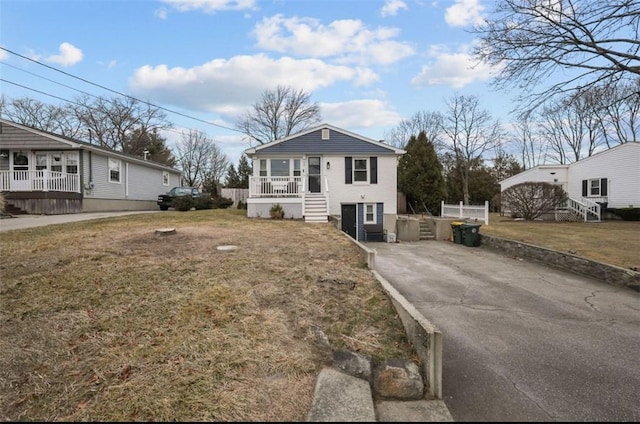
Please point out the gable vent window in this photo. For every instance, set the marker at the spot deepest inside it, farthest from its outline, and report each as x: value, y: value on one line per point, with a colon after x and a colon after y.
x: 325, y: 133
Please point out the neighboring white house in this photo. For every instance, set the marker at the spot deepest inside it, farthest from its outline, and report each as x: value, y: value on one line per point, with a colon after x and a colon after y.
x: 610, y: 177
x: 44, y: 173
x: 326, y: 171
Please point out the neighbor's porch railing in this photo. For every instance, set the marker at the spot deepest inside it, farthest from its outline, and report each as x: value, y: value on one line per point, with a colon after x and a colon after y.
x: 44, y: 180
x: 276, y: 186
x: 462, y: 211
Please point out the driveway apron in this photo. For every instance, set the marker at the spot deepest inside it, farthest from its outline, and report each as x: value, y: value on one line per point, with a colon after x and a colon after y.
x: 522, y: 341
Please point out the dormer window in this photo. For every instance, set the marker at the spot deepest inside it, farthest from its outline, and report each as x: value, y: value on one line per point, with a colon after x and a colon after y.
x: 325, y: 133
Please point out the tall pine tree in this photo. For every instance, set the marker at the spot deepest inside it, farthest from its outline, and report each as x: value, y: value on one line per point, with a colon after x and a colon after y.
x: 420, y: 175
x: 244, y: 171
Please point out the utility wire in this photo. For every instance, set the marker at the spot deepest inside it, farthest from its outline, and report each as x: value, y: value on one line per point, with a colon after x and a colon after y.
x: 80, y: 104
x: 117, y: 92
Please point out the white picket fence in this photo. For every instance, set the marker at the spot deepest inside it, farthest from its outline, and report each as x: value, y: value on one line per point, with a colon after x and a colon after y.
x: 471, y: 212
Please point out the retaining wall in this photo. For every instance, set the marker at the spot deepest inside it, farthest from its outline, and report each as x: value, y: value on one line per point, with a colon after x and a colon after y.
x: 611, y: 274
x: 425, y: 337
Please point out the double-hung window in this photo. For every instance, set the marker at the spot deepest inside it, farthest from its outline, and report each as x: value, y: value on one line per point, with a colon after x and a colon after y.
x: 359, y: 170
x: 594, y: 187
x: 370, y: 213
x: 114, y: 170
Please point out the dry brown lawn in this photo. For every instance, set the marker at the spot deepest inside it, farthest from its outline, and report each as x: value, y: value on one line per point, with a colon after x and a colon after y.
x: 105, y: 321
x: 613, y: 242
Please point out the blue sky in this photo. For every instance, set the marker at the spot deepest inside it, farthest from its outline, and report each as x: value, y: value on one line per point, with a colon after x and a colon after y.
x: 368, y: 63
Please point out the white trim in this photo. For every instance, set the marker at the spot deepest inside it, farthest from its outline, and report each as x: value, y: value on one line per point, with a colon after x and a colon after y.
x: 375, y: 213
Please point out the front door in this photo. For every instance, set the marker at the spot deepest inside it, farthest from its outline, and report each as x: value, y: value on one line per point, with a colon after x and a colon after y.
x: 314, y: 174
x: 349, y: 220
x: 21, y: 178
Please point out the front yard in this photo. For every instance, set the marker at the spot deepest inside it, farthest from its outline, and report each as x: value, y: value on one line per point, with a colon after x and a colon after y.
x: 106, y: 321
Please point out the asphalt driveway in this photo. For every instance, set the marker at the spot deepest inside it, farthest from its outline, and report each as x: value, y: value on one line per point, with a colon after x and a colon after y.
x: 18, y: 222
x: 522, y: 341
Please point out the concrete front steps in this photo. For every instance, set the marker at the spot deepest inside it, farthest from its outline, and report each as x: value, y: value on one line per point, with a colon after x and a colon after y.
x: 425, y: 231
x: 315, y: 208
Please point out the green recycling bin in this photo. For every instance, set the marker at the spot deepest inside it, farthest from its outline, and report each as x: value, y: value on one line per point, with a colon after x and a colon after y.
x: 470, y: 234
x: 456, y: 228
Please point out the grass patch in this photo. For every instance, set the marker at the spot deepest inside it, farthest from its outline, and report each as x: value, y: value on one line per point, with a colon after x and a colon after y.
x: 614, y: 242
x: 104, y: 321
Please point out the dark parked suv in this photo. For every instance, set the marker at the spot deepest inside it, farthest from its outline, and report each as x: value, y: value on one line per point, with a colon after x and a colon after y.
x: 165, y: 200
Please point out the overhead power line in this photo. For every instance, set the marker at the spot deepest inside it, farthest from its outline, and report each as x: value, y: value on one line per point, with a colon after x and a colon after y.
x: 80, y: 104
x: 115, y: 91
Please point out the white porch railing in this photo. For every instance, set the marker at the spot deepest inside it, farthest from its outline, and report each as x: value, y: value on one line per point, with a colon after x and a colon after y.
x: 276, y: 186
x: 44, y: 180
x: 462, y: 211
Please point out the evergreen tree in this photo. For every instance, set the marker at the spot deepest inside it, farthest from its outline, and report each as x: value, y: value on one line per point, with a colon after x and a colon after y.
x: 420, y: 175
x: 233, y: 179
x: 244, y: 171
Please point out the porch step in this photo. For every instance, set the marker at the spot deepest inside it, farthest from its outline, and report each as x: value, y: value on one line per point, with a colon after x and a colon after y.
x: 11, y: 209
x: 425, y: 231
x: 315, y: 208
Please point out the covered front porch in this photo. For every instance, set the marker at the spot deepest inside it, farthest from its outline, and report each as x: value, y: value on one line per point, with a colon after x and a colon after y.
x: 300, y: 197
x: 41, y: 192
x: 44, y: 180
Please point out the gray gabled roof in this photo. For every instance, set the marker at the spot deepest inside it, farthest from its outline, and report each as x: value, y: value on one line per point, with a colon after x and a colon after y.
x: 78, y: 144
x: 339, y: 142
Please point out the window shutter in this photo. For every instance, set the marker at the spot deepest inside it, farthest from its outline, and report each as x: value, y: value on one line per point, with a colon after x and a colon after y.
x: 348, y: 173
x: 603, y: 187
x: 373, y: 162
x: 584, y: 188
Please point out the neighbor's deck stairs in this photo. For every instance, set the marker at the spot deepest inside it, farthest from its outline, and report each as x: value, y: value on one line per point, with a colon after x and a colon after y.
x: 425, y: 231
x: 579, y: 210
x: 315, y: 208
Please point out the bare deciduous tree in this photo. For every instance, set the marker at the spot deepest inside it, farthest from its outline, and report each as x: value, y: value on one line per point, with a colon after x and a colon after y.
x: 572, y: 126
x: 117, y: 123
x: 200, y: 159
x: 470, y: 131
x: 595, y: 43
x: 528, y: 141
x: 279, y: 113
x: 429, y: 123
x: 36, y: 114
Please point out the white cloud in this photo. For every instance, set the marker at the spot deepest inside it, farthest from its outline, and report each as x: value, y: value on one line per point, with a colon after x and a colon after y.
x: 463, y: 13
x: 228, y: 87
x: 211, y: 6
x: 453, y: 69
x: 359, y: 114
x: 69, y: 55
x: 391, y: 7
x: 161, y: 13
x: 3, y: 55
x: 345, y: 41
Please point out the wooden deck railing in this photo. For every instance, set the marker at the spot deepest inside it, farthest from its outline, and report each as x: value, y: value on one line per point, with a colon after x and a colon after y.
x: 276, y: 186
x: 44, y: 180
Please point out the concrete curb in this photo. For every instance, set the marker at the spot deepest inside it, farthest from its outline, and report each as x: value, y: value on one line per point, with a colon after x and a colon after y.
x: 425, y: 337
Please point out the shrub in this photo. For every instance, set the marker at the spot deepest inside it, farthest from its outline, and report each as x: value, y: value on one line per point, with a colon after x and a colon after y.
x: 242, y: 205
x: 530, y: 200
x: 203, y: 202
x: 276, y: 211
x: 182, y: 203
x: 222, y: 202
x: 628, y: 214
x: 2, y: 203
